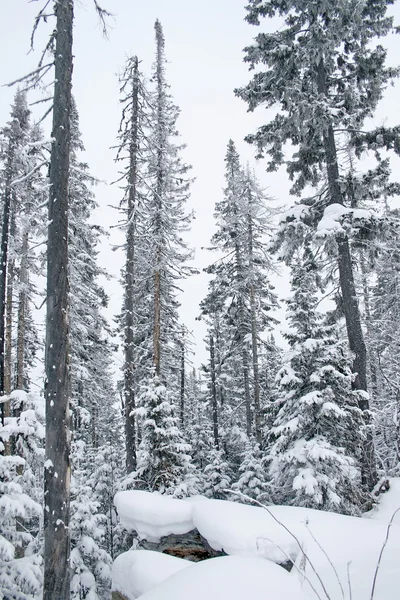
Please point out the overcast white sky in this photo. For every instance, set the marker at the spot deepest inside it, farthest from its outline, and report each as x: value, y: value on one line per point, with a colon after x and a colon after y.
x: 204, y: 42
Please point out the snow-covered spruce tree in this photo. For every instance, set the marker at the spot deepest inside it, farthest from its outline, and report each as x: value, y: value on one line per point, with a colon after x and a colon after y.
x: 241, y: 282
x: 325, y: 75
x: 130, y: 148
x: 90, y: 562
x: 14, y: 140
x: 165, y: 219
x: 217, y: 475
x: 252, y: 475
x: 315, y: 442
x: 163, y: 461
x: 91, y: 346
x: 21, y: 496
x: 92, y: 391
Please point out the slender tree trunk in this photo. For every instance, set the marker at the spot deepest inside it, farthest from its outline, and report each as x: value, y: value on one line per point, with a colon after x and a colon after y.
x: 254, y: 338
x: 348, y: 290
x: 8, y: 332
x: 21, y: 327
x: 214, y: 403
x: 5, y: 234
x: 129, y: 381
x: 182, y: 383
x: 57, y: 471
x: 158, y: 199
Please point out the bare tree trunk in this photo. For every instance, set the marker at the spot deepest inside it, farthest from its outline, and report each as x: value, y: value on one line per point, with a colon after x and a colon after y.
x: 129, y: 389
x: 5, y: 234
x: 348, y: 291
x: 254, y: 337
x: 8, y: 336
x: 182, y: 383
x: 158, y: 200
x: 22, y: 313
x: 57, y: 471
x: 214, y: 403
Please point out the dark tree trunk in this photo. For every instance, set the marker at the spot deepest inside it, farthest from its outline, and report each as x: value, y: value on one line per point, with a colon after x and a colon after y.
x: 158, y: 197
x: 129, y: 390
x: 254, y: 338
x: 214, y: 403
x: 182, y: 384
x: 57, y: 471
x: 348, y: 291
x: 5, y: 235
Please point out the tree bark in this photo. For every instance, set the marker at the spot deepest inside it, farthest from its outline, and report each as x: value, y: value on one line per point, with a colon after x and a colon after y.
x: 129, y: 389
x: 182, y: 383
x: 57, y: 466
x: 158, y: 198
x: 348, y: 291
x: 5, y: 235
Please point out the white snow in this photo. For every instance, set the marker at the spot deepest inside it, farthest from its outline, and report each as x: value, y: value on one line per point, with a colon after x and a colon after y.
x: 283, y: 532
x: 137, y: 571
x: 229, y: 578
x: 153, y: 516
x: 330, y: 222
x: 389, y: 502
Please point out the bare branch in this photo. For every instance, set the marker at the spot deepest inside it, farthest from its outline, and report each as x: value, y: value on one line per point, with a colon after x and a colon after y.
x: 41, y: 15
x: 32, y: 76
x: 103, y: 15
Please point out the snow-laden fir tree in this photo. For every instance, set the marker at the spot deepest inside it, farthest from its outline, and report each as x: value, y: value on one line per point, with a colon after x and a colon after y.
x: 217, y: 476
x: 165, y: 219
x: 240, y: 295
x: 163, y: 460
x: 325, y: 74
x: 90, y: 562
x: 252, y: 475
x: 315, y: 442
x: 92, y: 390
x: 21, y: 473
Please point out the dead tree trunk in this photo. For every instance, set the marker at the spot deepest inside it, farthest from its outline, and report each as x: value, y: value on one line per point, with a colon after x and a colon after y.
x: 129, y: 390
x: 23, y: 282
x: 57, y: 471
x: 5, y: 235
x: 182, y: 382
x: 214, y: 403
x: 254, y: 337
x: 348, y: 291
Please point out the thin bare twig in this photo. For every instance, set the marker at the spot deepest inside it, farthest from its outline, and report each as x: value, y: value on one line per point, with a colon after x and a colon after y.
x: 103, y: 15
x: 327, y: 558
x: 381, y: 552
x: 245, y: 496
x: 349, y: 581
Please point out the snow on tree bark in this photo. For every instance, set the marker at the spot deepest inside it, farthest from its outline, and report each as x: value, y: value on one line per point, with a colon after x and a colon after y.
x: 57, y: 471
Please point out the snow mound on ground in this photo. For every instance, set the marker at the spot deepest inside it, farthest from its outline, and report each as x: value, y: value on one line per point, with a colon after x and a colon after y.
x: 137, y: 571
x: 152, y: 515
x: 229, y: 578
x: 314, y: 539
x: 389, y: 502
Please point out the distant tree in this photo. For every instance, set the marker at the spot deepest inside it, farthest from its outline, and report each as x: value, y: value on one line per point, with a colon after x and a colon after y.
x: 15, y: 138
x: 252, y: 475
x: 164, y: 462
x: 165, y: 217
x: 217, y: 476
